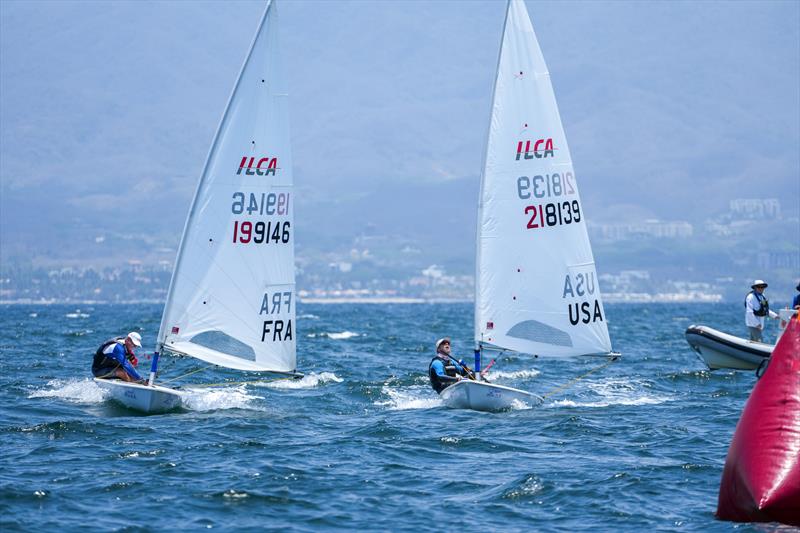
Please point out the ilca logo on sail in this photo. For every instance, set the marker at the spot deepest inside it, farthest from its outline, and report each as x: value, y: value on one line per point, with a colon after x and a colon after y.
x: 264, y: 167
x: 541, y: 147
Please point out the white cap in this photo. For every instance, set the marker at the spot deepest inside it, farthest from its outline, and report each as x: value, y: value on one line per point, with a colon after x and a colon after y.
x: 440, y: 341
x: 135, y: 338
x: 758, y: 283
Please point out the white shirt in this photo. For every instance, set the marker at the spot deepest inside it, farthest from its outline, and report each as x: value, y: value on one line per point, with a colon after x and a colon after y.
x: 751, y: 304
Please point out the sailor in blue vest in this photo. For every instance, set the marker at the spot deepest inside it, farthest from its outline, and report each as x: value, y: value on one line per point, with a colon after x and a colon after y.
x: 444, y: 370
x: 756, y: 309
x: 796, y: 301
x: 115, y: 358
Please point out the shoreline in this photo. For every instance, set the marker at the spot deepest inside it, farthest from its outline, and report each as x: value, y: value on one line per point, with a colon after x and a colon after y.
x: 638, y: 299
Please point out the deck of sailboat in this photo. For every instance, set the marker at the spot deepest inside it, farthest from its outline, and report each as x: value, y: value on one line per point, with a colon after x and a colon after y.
x: 140, y: 397
x: 485, y: 396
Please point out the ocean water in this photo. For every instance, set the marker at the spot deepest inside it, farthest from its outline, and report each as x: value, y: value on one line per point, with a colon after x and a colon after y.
x: 362, y: 442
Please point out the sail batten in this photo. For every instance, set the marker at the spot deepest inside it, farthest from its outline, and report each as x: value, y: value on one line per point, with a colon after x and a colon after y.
x: 231, y: 299
x: 536, y: 285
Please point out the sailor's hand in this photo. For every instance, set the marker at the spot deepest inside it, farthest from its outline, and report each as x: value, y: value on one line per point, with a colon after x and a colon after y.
x: 459, y: 377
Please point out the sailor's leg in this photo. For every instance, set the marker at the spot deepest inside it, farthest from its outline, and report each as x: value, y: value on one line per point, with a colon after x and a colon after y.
x: 755, y: 334
x: 105, y: 373
x: 121, y: 374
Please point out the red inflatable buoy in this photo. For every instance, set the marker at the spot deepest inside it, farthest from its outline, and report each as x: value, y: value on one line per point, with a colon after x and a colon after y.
x: 761, y: 480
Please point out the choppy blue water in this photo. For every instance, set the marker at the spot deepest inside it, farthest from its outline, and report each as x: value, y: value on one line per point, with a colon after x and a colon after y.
x: 362, y: 442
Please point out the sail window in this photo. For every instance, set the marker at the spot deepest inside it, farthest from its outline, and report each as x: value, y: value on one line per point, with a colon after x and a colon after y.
x: 536, y: 331
x: 224, y: 343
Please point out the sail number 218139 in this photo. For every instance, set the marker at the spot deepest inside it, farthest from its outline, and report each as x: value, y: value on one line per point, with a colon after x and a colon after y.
x: 549, y: 186
x: 553, y: 214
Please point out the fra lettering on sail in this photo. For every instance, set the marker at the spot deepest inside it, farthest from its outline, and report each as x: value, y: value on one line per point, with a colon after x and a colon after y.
x: 277, y: 329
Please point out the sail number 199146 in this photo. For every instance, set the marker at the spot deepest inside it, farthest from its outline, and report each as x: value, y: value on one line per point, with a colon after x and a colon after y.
x: 261, y: 205
x: 245, y: 232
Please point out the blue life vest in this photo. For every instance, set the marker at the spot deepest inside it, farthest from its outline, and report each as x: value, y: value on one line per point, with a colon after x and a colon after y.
x: 449, y: 369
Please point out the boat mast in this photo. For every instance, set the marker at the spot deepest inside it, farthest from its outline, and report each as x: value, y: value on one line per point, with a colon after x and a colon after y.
x: 478, y: 336
x: 153, y: 369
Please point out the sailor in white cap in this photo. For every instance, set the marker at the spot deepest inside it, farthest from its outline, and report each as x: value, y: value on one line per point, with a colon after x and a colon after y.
x: 756, y: 309
x: 115, y: 358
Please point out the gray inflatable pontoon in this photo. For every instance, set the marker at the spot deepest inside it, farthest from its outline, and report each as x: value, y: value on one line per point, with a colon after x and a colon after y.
x: 721, y: 350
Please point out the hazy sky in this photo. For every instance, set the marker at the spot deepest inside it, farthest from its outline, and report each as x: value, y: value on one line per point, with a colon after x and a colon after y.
x: 107, y: 109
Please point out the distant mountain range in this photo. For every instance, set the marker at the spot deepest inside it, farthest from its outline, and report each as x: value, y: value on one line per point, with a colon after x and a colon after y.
x: 107, y: 111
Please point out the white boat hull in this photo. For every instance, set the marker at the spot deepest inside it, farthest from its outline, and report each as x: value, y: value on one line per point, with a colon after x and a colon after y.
x: 482, y: 396
x: 144, y: 398
x: 720, y: 350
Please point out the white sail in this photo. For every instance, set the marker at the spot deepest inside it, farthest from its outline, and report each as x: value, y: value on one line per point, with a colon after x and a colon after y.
x: 232, y: 296
x: 536, y: 285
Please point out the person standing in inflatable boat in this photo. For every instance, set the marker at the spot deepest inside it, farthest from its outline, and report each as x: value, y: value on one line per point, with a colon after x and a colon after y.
x: 756, y: 309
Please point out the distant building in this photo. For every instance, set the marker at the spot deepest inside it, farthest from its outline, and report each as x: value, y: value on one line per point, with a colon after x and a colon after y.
x: 755, y: 208
x: 434, y: 271
x: 648, y: 228
x: 341, y: 266
x: 779, y: 260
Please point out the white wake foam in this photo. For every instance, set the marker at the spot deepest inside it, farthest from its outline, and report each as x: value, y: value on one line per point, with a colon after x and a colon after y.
x: 607, y: 403
x: 519, y: 405
x: 414, y: 397
x: 309, y: 381
x: 74, y: 390
x: 335, y: 336
x: 208, y: 399
x: 517, y: 374
x: 197, y: 399
x: 77, y: 314
x: 616, y: 392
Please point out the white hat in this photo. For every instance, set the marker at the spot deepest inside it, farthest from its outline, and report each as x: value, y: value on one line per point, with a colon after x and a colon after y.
x: 440, y: 341
x: 135, y: 338
x: 759, y: 283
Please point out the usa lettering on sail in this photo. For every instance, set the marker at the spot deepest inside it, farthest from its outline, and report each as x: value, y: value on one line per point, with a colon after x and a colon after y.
x: 582, y: 285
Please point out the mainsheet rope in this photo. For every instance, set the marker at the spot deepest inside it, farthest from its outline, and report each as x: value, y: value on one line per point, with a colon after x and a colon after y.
x: 224, y: 383
x: 189, y: 373
x: 611, y: 359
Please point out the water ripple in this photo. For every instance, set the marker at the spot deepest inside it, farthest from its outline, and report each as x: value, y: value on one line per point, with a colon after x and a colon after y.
x: 637, y: 446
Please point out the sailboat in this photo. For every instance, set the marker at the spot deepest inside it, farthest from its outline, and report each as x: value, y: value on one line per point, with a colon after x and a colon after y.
x: 536, y: 287
x: 231, y: 299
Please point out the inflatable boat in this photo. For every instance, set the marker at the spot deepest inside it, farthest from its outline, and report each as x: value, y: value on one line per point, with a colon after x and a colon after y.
x: 721, y: 350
